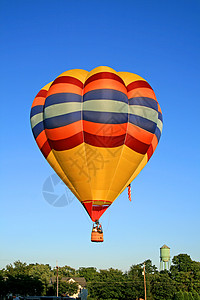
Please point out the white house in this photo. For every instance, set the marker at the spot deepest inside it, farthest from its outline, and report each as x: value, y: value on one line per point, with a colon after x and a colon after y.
x: 82, y: 291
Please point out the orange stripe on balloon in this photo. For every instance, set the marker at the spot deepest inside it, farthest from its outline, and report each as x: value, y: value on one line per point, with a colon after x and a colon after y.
x: 142, y: 92
x: 64, y: 88
x: 140, y: 134
x: 154, y: 143
x: 104, y: 129
x: 105, y: 84
x: 41, y: 139
x: 89, y: 127
x: 159, y: 109
x: 64, y: 131
x: 38, y: 101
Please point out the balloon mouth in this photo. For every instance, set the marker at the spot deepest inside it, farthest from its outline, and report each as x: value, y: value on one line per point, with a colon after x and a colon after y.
x: 95, y: 211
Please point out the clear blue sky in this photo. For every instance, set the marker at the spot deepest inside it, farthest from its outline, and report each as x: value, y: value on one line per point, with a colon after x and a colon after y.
x: 158, y: 40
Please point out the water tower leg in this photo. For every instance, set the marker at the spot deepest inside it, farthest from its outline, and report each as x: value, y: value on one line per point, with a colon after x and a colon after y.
x: 169, y: 264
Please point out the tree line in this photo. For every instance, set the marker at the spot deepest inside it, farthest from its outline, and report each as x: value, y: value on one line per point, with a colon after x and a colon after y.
x: 181, y: 282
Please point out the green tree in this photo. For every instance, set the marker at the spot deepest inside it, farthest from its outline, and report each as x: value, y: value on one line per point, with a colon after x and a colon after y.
x: 110, y: 284
x: 186, y: 273
x: 190, y: 296
x: 18, y: 280
x: 181, y: 263
x: 149, y: 268
x: 51, y: 290
x: 195, y: 267
x: 183, y: 281
x: 135, y: 276
x: 3, y: 290
x: 90, y: 274
x: 196, y: 296
x: 24, y: 285
x: 66, y: 288
x: 185, y: 296
x: 43, y: 273
x: 162, y: 287
x: 16, y: 269
x: 179, y: 296
x: 65, y: 271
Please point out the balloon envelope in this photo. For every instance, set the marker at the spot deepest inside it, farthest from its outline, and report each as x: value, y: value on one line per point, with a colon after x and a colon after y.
x: 97, y: 130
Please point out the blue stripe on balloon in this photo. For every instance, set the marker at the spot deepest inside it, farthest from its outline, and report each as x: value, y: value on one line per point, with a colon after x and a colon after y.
x: 144, y: 101
x: 107, y: 94
x: 62, y: 120
x: 142, y: 123
x: 158, y: 133
x: 105, y: 117
x: 38, y: 129
x: 36, y: 110
x: 160, y: 117
x: 62, y: 98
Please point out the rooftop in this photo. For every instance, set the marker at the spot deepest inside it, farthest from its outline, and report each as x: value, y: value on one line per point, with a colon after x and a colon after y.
x: 164, y: 247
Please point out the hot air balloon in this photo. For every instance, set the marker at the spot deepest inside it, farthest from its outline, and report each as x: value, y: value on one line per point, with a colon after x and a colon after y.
x: 97, y: 130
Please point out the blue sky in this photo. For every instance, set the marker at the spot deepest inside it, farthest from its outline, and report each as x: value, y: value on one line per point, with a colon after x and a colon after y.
x: 157, y: 40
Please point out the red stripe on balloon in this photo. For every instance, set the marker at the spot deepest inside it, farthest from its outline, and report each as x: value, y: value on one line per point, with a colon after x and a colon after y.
x: 68, y: 143
x: 150, y: 152
x: 68, y: 79
x: 104, y: 141
x: 138, y: 84
x: 136, y: 145
x: 42, y: 93
x: 99, y: 141
x: 104, y: 75
x: 46, y: 149
x: 91, y: 139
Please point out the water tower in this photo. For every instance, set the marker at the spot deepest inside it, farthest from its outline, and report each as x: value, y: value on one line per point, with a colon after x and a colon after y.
x: 164, y: 258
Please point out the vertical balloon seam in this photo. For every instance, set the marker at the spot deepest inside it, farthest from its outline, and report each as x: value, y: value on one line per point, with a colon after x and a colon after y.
x: 120, y: 151
x: 121, y: 146
x: 93, y: 214
x: 105, y: 199
x: 84, y: 146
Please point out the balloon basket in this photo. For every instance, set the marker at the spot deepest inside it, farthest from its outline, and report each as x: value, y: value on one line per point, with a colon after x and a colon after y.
x: 97, y: 237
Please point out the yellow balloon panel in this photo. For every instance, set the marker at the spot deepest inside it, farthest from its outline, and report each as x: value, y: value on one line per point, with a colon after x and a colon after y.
x: 56, y: 166
x: 127, y: 165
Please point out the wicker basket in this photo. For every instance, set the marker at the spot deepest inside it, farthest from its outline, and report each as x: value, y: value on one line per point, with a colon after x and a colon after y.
x: 96, y: 236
